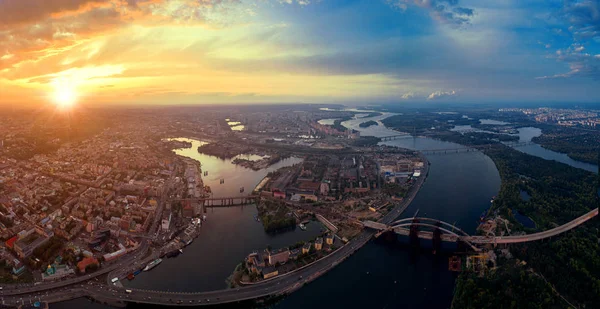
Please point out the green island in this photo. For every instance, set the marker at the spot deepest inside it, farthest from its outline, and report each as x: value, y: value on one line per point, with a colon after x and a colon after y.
x: 563, y: 272
x: 368, y: 124
x: 275, y: 216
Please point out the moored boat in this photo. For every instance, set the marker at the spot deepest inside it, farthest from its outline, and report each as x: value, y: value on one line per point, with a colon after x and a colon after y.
x: 153, y: 264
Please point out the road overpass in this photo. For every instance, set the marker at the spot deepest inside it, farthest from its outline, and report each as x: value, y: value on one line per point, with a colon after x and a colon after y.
x: 402, y: 227
x: 533, y: 237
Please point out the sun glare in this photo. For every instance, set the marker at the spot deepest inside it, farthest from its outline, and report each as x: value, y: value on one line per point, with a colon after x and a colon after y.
x: 64, y: 95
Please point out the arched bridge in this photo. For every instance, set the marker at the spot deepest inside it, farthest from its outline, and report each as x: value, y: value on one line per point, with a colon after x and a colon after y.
x: 451, y: 233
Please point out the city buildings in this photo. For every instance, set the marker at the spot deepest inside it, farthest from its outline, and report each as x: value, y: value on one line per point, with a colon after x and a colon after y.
x: 280, y: 256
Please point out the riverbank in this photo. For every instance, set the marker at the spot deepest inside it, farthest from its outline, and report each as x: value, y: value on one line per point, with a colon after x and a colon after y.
x: 256, y: 264
x: 459, y: 186
x: 551, y: 185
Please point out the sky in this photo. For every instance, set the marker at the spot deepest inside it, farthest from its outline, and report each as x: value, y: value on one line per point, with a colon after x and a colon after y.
x: 298, y: 51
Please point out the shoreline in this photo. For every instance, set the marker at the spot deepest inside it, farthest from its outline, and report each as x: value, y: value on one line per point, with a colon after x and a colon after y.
x: 314, y: 270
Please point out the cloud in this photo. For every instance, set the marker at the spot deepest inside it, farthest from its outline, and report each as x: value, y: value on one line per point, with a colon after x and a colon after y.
x: 32, y: 29
x: 445, y: 11
x: 583, y: 17
x: 408, y: 95
x: 300, y: 2
x: 15, y: 12
x: 581, y: 64
x: 441, y: 94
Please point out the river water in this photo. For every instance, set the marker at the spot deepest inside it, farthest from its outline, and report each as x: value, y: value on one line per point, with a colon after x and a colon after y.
x: 526, y: 134
x: 380, y: 275
x: 389, y: 275
x: 228, y: 235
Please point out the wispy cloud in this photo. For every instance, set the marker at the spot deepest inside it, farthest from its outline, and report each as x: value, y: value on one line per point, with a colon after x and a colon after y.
x: 408, y: 95
x: 446, y: 11
x: 441, y: 94
x: 581, y: 64
x: 582, y: 23
x: 583, y: 17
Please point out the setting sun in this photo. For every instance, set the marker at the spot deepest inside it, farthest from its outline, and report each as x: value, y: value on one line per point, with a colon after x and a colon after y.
x: 64, y: 95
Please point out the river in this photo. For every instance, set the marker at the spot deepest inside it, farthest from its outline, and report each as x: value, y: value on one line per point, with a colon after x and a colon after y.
x: 527, y: 133
x: 380, y: 275
x: 388, y: 275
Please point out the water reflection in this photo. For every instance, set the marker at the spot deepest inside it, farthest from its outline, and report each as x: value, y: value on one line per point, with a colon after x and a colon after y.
x: 524, y: 220
x: 528, y: 133
x: 227, y: 236
x: 493, y: 122
x: 235, y: 176
x: 235, y: 125
x: 387, y: 275
x: 329, y: 121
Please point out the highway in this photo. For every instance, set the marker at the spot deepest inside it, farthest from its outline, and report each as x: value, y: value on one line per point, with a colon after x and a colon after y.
x: 405, y: 224
x: 75, y: 288
x: 532, y: 237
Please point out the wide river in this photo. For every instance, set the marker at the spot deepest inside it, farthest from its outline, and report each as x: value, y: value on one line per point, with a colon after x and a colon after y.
x: 380, y: 275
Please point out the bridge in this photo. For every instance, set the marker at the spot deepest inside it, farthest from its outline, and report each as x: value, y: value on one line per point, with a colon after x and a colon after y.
x: 473, y: 148
x: 450, y: 233
x: 229, y: 201
x: 393, y: 137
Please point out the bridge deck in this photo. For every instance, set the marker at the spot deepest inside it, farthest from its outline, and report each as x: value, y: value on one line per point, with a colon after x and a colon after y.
x: 403, y: 230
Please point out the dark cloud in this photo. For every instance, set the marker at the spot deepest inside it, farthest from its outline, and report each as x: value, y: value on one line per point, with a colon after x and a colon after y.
x: 463, y: 11
x: 445, y: 11
x: 583, y: 17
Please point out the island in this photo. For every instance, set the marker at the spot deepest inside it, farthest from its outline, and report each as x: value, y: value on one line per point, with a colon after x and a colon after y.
x: 368, y: 124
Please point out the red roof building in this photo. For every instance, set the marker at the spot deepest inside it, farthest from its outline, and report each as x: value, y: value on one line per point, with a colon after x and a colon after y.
x: 85, y: 262
x: 11, y: 242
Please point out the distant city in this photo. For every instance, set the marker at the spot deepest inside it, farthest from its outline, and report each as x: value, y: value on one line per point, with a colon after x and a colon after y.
x: 563, y: 117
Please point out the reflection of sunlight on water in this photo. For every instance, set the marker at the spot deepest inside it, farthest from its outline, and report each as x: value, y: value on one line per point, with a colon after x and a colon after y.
x: 327, y: 121
x: 235, y: 176
x: 251, y: 157
x: 235, y: 125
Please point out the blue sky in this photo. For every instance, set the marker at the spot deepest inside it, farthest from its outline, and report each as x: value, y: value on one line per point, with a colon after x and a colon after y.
x: 313, y: 51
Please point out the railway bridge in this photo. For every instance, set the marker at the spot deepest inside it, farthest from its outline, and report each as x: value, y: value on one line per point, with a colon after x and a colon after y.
x: 393, y: 137
x: 228, y: 201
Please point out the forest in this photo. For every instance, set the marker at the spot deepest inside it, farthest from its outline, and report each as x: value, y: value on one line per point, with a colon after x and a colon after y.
x: 542, y: 274
x: 578, y: 144
x: 559, y: 193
